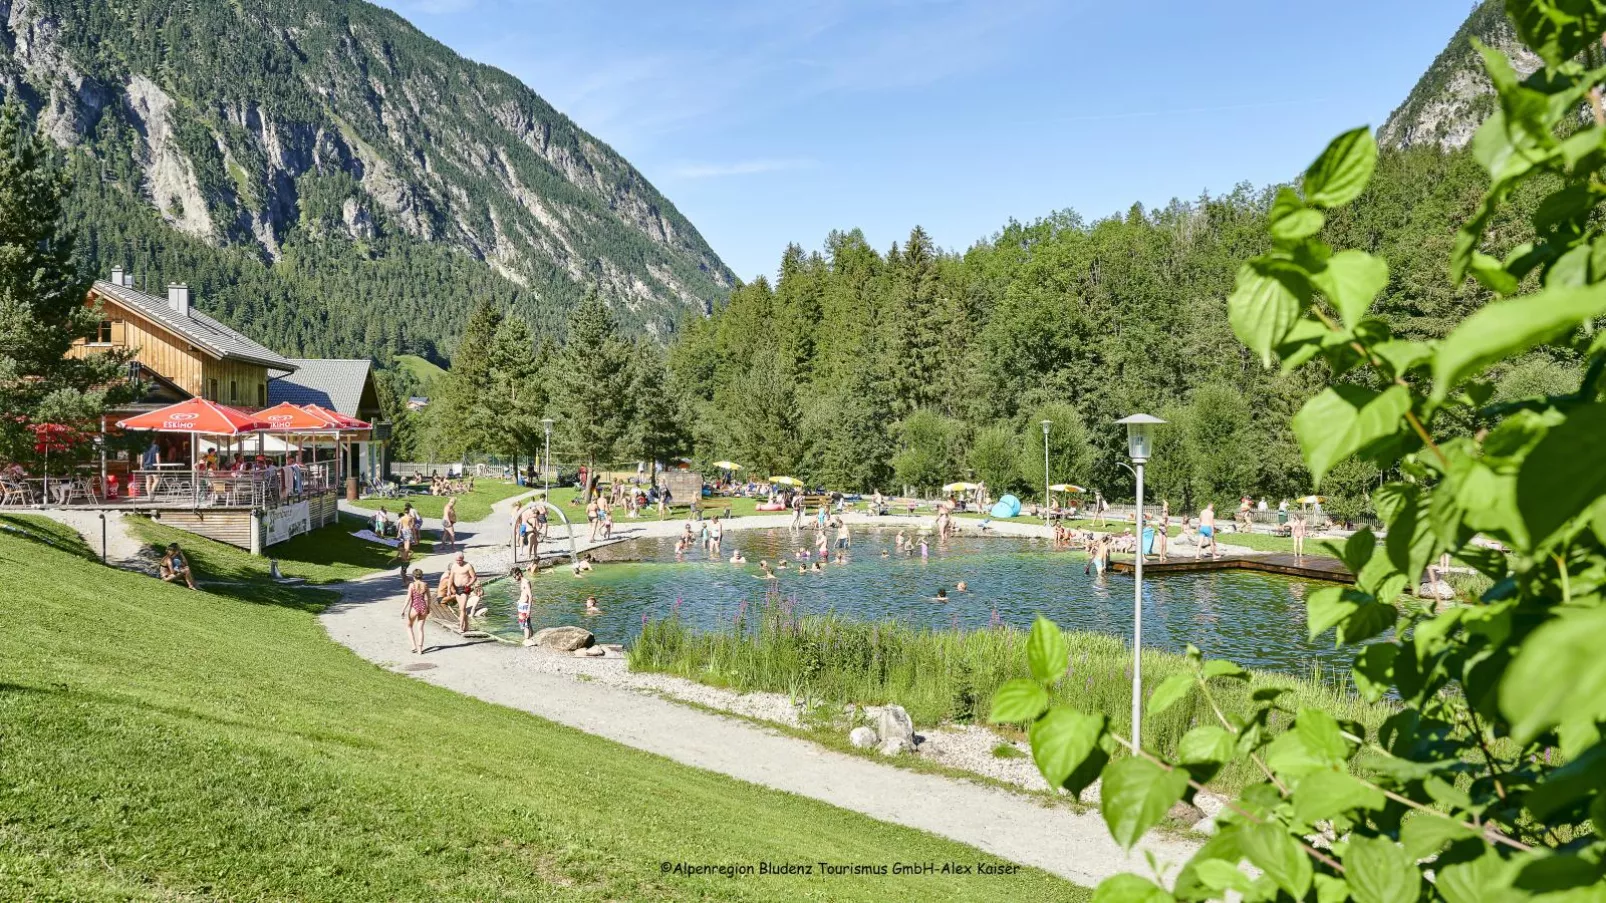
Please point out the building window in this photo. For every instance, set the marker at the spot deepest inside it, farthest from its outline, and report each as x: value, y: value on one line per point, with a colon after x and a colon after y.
x: 262, y: 395
x: 103, y: 333
x: 234, y: 392
x: 211, y: 389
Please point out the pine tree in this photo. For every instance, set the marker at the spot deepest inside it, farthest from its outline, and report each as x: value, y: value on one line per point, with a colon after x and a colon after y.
x: 593, y: 396
x: 517, y: 396
x: 460, y: 421
x: 42, y: 309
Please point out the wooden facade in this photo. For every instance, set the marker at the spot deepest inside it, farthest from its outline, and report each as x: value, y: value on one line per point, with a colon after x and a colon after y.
x: 236, y: 526
x: 231, y: 382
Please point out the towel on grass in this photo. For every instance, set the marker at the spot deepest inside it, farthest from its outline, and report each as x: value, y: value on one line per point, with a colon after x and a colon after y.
x: 371, y: 536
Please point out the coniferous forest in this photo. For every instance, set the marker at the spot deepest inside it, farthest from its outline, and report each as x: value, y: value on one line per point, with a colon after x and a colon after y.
x: 861, y: 368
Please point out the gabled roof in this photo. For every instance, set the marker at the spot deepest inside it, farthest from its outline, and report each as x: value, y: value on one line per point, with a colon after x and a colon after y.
x: 199, y: 329
x: 334, y: 384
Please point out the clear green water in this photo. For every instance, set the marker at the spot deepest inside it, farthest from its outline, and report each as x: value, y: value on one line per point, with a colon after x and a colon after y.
x: 1257, y: 620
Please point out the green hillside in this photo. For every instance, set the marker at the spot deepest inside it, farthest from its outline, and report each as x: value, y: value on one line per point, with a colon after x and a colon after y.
x: 424, y: 371
x: 163, y: 744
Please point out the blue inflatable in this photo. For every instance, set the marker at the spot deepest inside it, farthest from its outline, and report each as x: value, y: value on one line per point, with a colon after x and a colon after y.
x: 1007, y: 507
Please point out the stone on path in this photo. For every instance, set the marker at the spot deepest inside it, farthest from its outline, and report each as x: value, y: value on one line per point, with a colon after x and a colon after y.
x: 589, y: 652
x: 895, y: 724
x: 862, y: 737
x: 564, y: 639
x: 896, y: 746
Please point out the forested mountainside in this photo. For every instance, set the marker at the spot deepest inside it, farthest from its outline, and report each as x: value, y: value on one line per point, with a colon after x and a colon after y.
x: 860, y: 368
x: 1454, y: 96
x: 333, y: 181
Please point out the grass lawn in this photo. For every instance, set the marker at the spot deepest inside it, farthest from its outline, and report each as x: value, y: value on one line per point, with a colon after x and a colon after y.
x: 163, y: 744
x: 51, y: 531
x: 325, y: 555
x: 471, y: 506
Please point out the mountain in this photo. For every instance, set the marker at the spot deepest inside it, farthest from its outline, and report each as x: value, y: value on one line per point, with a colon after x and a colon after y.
x: 1454, y: 96
x: 326, y: 155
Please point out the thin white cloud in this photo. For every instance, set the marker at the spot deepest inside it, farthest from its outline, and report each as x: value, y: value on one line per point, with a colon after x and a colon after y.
x: 738, y: 168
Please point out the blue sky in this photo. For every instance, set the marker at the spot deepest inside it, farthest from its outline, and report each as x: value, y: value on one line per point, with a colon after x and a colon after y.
x: 776, y: 122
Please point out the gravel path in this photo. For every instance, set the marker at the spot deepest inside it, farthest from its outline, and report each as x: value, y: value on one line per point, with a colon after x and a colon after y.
x: 121, y: 546
x: 603, y: 698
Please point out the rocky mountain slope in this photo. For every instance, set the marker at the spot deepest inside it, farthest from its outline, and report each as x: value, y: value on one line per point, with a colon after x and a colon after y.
x: 256, y: 126
x: 1454, y: 96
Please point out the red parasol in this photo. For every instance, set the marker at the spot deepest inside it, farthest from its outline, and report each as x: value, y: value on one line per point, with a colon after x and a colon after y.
x: 340, y: 420
x: 197, y: 416
x: 287, y: 418
x: 55, y: 438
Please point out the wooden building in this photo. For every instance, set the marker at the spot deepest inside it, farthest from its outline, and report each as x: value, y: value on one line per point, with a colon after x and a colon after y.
x: 184, y: 346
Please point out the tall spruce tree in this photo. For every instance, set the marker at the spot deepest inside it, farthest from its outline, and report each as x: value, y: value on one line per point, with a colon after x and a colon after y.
x: 517, y: 396
x: 461, y: 422
x: 42, y: 309
x: 593, y: 394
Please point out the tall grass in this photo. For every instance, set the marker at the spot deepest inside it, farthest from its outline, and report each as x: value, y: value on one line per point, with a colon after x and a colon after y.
x: 950, y: 675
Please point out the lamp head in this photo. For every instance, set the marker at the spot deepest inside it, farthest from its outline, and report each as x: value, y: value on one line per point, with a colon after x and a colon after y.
x: 1046, y: 424
x: 1140, y: 435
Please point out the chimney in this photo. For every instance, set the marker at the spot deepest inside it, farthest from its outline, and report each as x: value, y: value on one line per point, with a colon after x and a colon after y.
x: 178, y: 295
x: 117, y: 276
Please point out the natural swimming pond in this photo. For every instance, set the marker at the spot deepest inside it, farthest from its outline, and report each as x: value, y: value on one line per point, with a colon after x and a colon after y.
x: 1257, y: 620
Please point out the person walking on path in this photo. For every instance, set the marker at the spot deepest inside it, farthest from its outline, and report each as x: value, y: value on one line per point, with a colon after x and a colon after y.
x: 464, y: 581
x: 416, y: 611
x: 1207, y: 532
x: 449, y: 522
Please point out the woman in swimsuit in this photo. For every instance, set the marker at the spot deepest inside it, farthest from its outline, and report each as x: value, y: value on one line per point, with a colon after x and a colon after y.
x: 417, y: 611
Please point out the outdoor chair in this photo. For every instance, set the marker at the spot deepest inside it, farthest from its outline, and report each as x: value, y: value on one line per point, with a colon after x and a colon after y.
x: 15, y: 493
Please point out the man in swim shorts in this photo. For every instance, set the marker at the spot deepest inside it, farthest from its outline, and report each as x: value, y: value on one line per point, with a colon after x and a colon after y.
x: 464, y: 581
x: 1207, y: 532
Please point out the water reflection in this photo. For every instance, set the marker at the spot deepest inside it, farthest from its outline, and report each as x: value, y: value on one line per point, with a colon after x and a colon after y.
x: 1255, y: 619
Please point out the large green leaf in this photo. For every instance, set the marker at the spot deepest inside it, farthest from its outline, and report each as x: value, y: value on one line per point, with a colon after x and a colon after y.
x: 1018, y: 700
x: 1046, y: 651
x: 1171, y: 691
x: 1557, y: 30
x: 1504, y: 328
x: 1135, y: 795
x: 1270, y: 848
x: 1559, y: 674
x: 1261, y: 310
x: 1344, y: 419
x: 1426, y: 833
x: 1062, y: 740
x: 1486, y: 879
x: 1329, y: 606
x: 1127, y: 888
x: 1563, y: 475
x: 1205, y: 743
x: 1351, y: 281
x: 1379, y: 871
x: 1322, y: 735
x: 1340, y: 174
x: 1289, y: 218
x: 1323, y: 795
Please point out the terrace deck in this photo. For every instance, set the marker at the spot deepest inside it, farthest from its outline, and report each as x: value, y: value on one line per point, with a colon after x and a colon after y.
x: 1311, y: 567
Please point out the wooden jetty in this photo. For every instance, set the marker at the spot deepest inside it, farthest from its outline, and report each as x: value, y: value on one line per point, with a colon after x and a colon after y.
x: 1310, y: 567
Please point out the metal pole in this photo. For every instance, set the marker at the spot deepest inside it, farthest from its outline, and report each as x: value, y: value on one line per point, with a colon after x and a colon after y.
x: 102, y: 537
x: 1137, y: 625
x: 1046, y: 522
x: 546, y: 467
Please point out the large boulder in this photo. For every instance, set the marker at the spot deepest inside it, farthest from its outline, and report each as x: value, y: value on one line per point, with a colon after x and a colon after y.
x: 896, y: 746
x: 894, y: 724
x: 564, y: 639
x: 862, y: 737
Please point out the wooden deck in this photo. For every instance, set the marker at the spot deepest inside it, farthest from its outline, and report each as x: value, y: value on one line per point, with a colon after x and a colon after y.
x: 1311, y: 567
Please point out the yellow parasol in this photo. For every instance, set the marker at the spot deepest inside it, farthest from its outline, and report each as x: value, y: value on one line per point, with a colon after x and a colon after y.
x: 960, y: 487
x: 786, y: 481
x: 727, y: 465
x: 1066, y: 487
x: 1313, y: 500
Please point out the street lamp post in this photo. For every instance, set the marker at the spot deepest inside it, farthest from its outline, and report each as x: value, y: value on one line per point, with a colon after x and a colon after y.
x: 546, y: 467
x: 1139, y: 442
x: 1046, y: 425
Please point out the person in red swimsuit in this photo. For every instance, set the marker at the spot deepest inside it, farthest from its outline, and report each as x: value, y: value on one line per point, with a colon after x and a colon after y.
x: 417, y: 611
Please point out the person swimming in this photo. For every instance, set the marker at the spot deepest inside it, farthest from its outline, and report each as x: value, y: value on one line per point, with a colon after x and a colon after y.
x: 738, y: 558
x: 764, y: 571
x: 819, y: 567
x: 591, y: 606
x: 942, y: 595
x: 960, y: 588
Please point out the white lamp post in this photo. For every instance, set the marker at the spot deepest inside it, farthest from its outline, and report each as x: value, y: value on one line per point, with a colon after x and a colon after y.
x: 1139, y: 442
x: 546, y: 467
x: 1046, y: 425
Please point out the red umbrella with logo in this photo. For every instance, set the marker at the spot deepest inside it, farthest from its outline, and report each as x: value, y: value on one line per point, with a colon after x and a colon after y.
x: 287, y: 418
x: 197, y: 416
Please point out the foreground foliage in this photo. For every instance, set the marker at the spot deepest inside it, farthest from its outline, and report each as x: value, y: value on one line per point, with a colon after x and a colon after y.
x: 1490, y: 783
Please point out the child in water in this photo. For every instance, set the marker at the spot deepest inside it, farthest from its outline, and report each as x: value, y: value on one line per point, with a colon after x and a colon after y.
x: 523, y: 583
x: 942, y: 595
x: 925, y: 550
x: 591, y: 606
